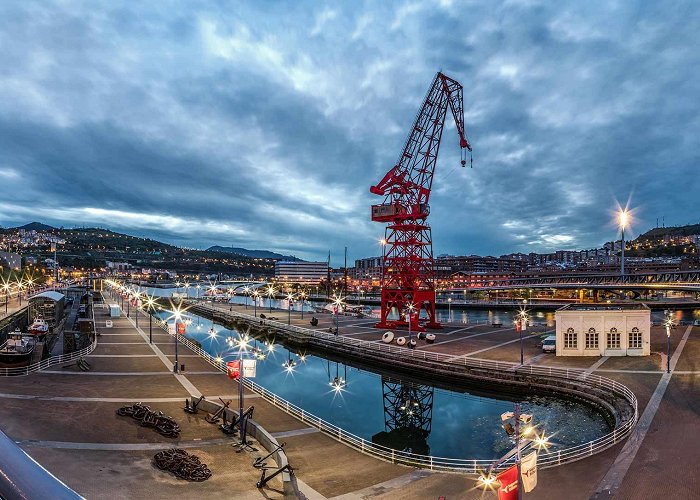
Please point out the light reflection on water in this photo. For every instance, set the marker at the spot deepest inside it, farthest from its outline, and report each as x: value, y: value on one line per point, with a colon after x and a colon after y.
x: 463, y: 425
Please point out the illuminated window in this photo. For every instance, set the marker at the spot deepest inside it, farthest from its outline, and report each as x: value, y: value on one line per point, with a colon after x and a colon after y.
x: 570, y: 339
x: 635, y: 338
x: 591, y: 339
x: 613, y: 339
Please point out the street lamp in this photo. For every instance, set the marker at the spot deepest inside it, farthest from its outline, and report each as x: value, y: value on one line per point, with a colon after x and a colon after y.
x: 270, y: 294
x: 177, y: 315
x: 150, y: 306
x: 6, y: 287
x: 198, y: 287
x: 256, y: 294
x: 20, y: 285
x: 520, y: 325
x: 382, y: 242
x: 668, y: 324
x: 246, y: 292
x: 290, y: 299
x: 449, y: 308
x: 410, y: 308
x: 623, y: 219
x: 337, y: 304
x: 137, y: 299
x: 302, y: 296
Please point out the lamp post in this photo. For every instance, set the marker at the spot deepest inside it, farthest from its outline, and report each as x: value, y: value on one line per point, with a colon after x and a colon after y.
x: 246, y: 292
x: 449, y: 308
x: 521, y: 324
x: 668, y: 324
x: 302, y: 296
x: 623, y: 218
x: 290, y: 298
x: 198, y: 287
x: 150, y: 305
x: 270, y: 294
x: 6, y: 287
x: 382, y: 242
x: 177, y: 316
x: 337, y: 303
x: 255, y: 303
x: 409, y: 313
x: 20, y: 285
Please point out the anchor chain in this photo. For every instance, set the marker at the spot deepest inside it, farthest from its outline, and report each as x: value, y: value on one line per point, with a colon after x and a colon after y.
x: 182, y: 464
x: 165, y: 425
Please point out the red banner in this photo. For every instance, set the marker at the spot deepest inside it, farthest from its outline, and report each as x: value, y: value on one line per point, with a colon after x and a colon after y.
x: 509, y: 484
x: 181, y: 328
x: 517, y: 326
x: 233, y: 369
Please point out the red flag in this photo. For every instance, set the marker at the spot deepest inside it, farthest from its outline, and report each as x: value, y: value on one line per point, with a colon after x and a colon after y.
x: 509, y: 484
x: 233, y: 368
x: 181, y: 328
x: 517, y: 326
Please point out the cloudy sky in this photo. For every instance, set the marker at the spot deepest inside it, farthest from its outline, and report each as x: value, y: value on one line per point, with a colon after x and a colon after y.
x: 263, y: 124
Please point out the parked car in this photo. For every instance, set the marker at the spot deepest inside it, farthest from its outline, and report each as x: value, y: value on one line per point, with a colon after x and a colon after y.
x: 549, y: 344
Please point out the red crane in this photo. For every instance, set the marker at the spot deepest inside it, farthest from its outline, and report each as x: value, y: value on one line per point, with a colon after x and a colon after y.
x: 408, y: 277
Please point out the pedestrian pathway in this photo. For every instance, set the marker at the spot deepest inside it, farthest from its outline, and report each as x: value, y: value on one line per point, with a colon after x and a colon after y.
x: 610, y: 484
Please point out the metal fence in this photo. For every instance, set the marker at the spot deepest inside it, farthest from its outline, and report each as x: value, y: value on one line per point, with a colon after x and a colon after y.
x: 546, y: 458
x: 51, y: 361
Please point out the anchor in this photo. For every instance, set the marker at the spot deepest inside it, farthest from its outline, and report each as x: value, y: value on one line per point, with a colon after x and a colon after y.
x: 193, y: 407
x: 214, y: 418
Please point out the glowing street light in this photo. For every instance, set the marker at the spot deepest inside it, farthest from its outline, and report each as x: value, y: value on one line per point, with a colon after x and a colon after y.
x: 246, y: 292
x: 290, y: 300
x: 270, y: 295
x: 410, y: 309
x: 302, y: 296
x: 6, y: 287
x: 668, y: 324
x: 256, y: 294
x: 337, y: 304
x: 623, y: 220
x: 150, y: 305
x: 177, y: 313
x: 521, y: 325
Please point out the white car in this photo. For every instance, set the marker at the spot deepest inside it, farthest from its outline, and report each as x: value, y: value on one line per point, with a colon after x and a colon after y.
x: 549, y: 344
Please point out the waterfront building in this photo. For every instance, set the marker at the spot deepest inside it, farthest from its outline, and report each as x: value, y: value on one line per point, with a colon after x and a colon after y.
x: 309, y: 273
x: 603, y: 330
x: 47, y: 305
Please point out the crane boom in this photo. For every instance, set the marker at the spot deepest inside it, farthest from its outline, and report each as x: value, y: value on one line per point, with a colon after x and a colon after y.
x: 407, y: 271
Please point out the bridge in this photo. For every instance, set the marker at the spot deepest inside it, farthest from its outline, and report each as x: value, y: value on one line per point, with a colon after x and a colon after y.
x: 682, y: 281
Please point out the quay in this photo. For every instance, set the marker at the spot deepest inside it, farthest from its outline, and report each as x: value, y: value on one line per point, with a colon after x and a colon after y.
x: 65, y: 419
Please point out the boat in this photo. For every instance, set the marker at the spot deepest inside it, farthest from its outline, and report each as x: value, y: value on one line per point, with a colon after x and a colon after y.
x: 17, y: 350
x: 39, y: 328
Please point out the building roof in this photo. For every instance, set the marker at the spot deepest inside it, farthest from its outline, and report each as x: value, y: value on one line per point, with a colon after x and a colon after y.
x: 605, y: 307
x: 50, y: 294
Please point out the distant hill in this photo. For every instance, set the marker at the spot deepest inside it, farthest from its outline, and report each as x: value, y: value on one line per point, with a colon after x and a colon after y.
x: 255, y: 254
x: 660, y: 232
x: 36, y: 226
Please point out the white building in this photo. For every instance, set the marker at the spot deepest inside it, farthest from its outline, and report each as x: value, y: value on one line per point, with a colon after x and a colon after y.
x: 603, y: 330
x: 301, y: 272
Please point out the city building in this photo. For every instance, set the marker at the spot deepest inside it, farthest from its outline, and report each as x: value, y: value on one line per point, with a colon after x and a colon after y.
x: 603, y: 330
x: 10, y: 261
x: 301, y: 272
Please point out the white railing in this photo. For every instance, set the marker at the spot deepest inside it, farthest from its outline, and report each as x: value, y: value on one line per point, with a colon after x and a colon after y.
x: 48, y: 362
x: 53, y: 360
x: 546, y: 458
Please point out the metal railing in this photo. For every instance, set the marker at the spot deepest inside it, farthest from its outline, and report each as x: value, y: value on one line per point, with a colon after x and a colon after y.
x: 546, y: 458
x: 53, y: 360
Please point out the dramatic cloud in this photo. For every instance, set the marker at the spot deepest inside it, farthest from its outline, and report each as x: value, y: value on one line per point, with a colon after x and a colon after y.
x: 263, y: 125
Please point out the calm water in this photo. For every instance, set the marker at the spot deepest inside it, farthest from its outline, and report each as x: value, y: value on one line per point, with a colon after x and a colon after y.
x: 461, y: 425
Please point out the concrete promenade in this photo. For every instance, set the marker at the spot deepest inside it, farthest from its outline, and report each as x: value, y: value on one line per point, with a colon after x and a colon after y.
x: 665, y: 446
x: 65, y: 419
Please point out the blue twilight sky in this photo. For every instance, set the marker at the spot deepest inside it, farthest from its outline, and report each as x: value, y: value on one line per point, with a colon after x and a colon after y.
x: 263, y: 124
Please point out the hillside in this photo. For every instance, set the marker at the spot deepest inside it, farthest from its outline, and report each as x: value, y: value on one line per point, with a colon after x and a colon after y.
x: 255, y: 254
x: 661, y: 232
x: 36, y: 226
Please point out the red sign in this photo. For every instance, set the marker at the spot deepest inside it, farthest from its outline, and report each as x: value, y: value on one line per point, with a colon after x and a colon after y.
x: 181, y: 328
x: 509, y: 484
x: 233, y: 369
x: 517, y: 326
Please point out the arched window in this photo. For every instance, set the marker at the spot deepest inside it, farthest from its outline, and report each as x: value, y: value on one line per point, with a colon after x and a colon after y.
x: 570, y: 339
x: 613, y: 339
x: 591, y: 339
x: 635, y: 338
